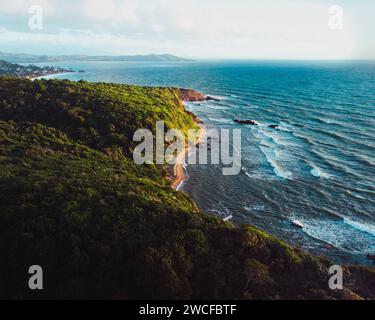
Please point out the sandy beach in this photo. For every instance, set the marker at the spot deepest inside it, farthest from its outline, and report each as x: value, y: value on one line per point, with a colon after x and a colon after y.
x: 179, y: 171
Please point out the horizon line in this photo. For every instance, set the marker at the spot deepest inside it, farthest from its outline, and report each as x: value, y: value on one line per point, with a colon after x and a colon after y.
x: 192, y: 57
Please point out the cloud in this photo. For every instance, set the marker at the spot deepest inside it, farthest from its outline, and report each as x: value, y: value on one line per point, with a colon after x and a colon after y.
x: 114, y: 11
x: 208, y: 28
x: 99, y: 10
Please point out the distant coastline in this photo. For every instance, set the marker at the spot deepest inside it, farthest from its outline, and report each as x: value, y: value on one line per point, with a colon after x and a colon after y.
x: 29, y: 72
x: 42, y: 76
x: 31, y: 58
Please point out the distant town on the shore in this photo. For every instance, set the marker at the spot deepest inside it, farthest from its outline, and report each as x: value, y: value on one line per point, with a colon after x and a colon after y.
x: 29, y: 71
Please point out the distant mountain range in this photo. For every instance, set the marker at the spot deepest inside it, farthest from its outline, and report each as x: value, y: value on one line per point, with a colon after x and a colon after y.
x: 30, y: 58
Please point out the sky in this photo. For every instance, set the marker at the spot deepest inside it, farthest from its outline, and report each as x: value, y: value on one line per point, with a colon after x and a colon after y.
x: 206, y: 29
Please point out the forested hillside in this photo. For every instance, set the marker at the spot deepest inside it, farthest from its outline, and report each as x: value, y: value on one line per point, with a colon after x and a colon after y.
x: 73, y: 201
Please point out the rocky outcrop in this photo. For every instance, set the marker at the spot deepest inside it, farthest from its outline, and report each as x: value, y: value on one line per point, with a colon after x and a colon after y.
x: 273, y: 126
x: 250, y: 122
x: 190, y: 95
x: 255, y: 123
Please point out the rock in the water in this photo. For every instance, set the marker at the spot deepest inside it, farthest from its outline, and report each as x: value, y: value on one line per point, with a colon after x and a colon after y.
x: 209, y: 98
x: 250, y: 122
x: 298, y: 224
x: 273, y: 126
x: 190, y: 95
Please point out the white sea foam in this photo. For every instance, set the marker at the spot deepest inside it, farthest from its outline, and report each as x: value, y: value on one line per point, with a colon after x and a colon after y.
x: 271, y: 145
x: 318, y: 173
x: 220, y: 98
x: 340, y: 233
x: 220, y: 120
x: 271, y: 156
x: 224, y: 212
x: 248, y: 174
x: 215, y: 106
x: 255, y: 207
x: 276, y: 139
x: 285, y: 127
x: 361, y: 226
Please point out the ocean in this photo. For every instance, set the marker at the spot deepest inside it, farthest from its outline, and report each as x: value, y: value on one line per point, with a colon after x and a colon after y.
x: 317, y: 168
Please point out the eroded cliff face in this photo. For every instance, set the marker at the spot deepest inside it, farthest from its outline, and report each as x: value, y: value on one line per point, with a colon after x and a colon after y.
x: 190, y: 95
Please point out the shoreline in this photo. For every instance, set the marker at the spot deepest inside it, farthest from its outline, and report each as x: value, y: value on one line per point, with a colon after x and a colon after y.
x: 164, y: 222
x: 48, y: 76
x: 180, y: 175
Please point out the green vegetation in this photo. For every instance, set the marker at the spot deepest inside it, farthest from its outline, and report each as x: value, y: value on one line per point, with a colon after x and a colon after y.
x: 73, y: 201
x: 30, y: 71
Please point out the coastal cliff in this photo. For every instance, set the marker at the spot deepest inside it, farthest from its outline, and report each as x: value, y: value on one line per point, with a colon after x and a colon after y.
x: 73, y: 201
x: 190, y: 95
